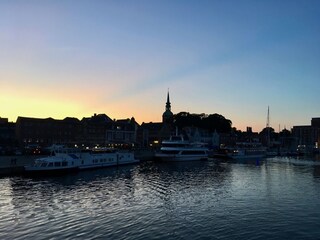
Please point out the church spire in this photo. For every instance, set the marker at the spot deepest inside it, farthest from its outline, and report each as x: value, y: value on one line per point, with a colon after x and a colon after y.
x: 167, y: 116
x: 168, y: 104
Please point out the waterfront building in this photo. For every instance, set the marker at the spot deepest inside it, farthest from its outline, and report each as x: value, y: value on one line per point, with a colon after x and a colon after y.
x: 123, y: 132
x: 47, y: 131
x: 7, y: 135
x: 101, y: 130
x: 307, y: 136
x: 93, y: 130
x: 315, y: 122
x: 249, y: 136
x: 151, y: 134
x: 97, y: 130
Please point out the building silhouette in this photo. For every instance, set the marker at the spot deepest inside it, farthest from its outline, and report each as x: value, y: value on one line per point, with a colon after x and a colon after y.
x: 47, y: 131
x: 101, y: 130
x: 167, y: 116
x: 7, y: 136
x: 307, y: 137
x: 97, y: 130
x: 151, y: 134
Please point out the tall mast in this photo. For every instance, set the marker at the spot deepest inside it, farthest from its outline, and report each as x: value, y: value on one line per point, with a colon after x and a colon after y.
x: 268, y: 128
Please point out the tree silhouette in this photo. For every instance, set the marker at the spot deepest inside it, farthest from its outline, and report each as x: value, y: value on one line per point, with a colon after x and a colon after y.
x: 211, y: 122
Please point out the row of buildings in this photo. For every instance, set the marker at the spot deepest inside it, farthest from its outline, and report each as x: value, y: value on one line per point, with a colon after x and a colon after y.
x: 97, y: 130
x: 101, y: 130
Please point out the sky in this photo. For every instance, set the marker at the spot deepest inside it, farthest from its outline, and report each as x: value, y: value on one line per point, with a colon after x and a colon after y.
x: 119, y: 57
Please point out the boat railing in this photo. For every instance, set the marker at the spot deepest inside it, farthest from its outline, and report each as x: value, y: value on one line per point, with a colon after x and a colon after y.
x: 66, y: 151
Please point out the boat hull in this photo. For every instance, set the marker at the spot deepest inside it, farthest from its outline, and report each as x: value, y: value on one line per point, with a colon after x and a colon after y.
x: 180, y: 158
x: 30, y: 170
x: 68, y: 162
x: 244, y: 157
x: 105, y: 165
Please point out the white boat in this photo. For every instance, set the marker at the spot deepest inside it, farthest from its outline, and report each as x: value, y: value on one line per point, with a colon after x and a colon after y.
x: 66, y: 160
x: 61, y: 160
x: 178, y: 149
x: 243, y: 150
x: 105, y: 157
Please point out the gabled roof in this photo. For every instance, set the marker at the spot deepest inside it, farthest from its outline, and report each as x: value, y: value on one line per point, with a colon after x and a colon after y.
x: 97, y: 119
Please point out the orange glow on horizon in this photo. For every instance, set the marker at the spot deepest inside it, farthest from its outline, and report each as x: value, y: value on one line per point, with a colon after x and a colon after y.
x: 30, y: 101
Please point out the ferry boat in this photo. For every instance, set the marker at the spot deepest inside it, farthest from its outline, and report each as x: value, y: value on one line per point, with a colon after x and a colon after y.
x: 105, y: 157
x: 178, y: 149
x: 67, y: 160
x: 242, y: 150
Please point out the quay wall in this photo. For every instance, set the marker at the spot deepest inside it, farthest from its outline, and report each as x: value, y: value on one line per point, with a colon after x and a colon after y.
x: 14, y: 165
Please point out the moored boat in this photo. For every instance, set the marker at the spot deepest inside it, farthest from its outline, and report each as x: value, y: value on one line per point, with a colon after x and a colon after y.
x: 104, y: 157
x: 66, y: 160
x: 178, y: 149
x: 242, y: 150
x: 61, y: 160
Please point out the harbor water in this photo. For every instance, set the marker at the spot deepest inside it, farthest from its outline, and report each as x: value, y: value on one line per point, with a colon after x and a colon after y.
x: 276, y: 198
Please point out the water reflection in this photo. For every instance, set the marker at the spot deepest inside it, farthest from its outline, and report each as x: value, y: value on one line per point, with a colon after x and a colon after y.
x: 186, y: 200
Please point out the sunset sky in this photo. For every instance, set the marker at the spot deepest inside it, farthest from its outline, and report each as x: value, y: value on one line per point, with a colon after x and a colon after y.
x: 235, y: 58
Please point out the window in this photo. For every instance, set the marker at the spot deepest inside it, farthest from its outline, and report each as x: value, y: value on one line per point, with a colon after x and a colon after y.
x: 170, y: 151
x: 192, y: 152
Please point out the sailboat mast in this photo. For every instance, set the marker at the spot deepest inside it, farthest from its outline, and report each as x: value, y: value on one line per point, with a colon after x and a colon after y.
x: 268, y: 128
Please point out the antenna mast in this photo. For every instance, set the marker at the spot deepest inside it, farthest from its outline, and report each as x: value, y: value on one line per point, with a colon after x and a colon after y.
x: 268, y: 119
x: 268, y: 128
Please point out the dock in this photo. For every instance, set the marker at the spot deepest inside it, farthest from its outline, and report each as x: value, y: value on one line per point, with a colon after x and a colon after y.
x: 14, y: 165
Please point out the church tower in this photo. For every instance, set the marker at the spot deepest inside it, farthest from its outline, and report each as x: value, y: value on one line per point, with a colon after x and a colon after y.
x: 167, y: 116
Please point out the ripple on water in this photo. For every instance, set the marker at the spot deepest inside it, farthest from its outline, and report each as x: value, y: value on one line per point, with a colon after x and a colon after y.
x: 202, y: 200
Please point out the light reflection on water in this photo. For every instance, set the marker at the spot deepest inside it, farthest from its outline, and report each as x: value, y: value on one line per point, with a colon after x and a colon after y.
x: 273, y: 199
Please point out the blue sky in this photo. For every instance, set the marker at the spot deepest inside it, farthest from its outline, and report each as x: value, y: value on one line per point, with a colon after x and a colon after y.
x: 235, y: 58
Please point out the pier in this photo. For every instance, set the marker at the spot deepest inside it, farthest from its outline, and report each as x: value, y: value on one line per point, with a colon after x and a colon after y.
x: 14, y: 165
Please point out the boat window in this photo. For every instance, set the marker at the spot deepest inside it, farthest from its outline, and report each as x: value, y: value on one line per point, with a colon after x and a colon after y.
x: 73, y: 156
x: 170, y: 152
x: 192, y: 152
x: 174, y: 145
x: 43, y: 164
x: 50, y: 164
x: 57, y: 164
x: 64, y: 164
